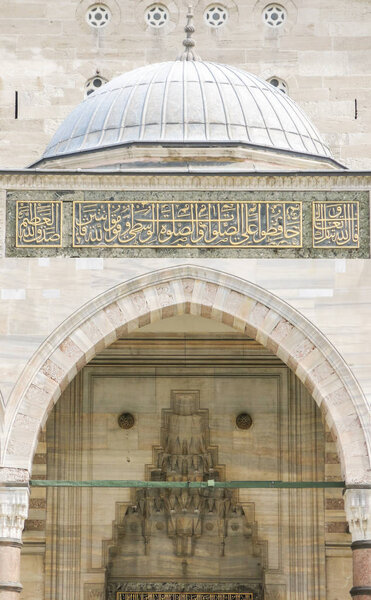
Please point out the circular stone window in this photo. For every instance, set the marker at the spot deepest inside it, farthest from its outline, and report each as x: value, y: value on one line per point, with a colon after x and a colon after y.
x: 156, y: 16
x: 280, y: 84
x: 98, y: 15
x: 216, y: 15
x: 274, y: 15
x: 93, y: 84
x: 126, y: 421
x: 244, y: 421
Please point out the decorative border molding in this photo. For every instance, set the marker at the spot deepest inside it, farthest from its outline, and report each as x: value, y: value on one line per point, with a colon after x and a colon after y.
x: 157, y: 180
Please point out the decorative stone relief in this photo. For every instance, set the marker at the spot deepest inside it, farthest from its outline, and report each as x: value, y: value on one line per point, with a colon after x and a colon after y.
x: 358, y: 512
x: 182, y: 534
x: 13, y: 512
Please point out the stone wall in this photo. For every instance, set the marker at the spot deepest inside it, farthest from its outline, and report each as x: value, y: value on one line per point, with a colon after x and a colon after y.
x: 49, y: 52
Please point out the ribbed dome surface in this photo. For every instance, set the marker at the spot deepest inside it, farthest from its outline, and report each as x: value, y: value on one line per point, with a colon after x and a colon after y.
x: 187, y: 102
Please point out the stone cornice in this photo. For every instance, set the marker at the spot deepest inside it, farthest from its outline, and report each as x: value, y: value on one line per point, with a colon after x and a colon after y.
x: 184, y: 180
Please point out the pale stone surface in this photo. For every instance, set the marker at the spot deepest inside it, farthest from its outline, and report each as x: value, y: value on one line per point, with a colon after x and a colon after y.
x: 49, y: 73
x: 32, y: 576
x: 322, y: 53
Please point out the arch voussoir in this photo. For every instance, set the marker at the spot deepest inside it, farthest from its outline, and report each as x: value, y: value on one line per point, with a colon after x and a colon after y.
x: 212, y: 295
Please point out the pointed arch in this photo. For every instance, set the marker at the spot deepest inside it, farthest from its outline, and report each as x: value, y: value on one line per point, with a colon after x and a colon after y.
x: 210, y: 294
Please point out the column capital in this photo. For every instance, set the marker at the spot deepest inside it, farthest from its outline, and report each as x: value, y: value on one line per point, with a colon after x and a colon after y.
x: 358, y: 512
x: 13, y: 512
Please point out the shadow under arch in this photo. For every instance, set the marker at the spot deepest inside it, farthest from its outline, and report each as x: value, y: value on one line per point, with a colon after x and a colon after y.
x: 208, y: 293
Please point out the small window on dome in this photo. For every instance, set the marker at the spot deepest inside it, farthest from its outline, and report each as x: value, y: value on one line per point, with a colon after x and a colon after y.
x: 216, y: 15
x: 98, y: 15
x: 156, y: 16
x: 93, y: 84
x: 280, y: 84
x: 274, y: 15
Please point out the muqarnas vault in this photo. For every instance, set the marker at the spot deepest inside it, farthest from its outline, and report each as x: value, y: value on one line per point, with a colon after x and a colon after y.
x: 186, y: 537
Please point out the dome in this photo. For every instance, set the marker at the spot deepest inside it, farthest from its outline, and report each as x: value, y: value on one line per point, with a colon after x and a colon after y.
x: 187, y: 103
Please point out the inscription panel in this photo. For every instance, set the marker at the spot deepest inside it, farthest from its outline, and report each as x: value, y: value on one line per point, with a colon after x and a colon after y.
x: 188, y: 224
x: 335, y: 224
x: 271, y: 224
x: 39, y: 223
x: 183, y: 596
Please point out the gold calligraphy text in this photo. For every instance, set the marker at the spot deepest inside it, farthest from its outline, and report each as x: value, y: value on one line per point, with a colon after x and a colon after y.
x: 270, y: 224
x: 39, y: 223
x: 335, y: 224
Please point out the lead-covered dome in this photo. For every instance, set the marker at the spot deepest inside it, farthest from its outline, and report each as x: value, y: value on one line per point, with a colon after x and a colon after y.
x: 187, y: 102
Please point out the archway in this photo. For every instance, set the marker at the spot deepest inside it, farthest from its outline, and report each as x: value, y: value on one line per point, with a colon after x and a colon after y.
x: 211, y: 294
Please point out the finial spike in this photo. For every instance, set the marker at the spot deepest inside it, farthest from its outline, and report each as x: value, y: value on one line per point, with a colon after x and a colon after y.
x: 189, y: 43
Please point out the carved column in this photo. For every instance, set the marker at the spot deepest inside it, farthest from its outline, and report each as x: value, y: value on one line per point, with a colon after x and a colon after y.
x: 358, y: 511
x: 13, y: 512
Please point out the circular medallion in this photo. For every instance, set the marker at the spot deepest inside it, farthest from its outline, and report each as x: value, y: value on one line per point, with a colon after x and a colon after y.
x: 216, y: 15
x: 243, y: 421
x: 274, y: 15
x: 126, y: 421
x: 98, y: 15
x: 157, y: 16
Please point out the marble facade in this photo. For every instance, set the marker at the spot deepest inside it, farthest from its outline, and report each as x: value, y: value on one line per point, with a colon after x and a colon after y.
x: 87, y: 333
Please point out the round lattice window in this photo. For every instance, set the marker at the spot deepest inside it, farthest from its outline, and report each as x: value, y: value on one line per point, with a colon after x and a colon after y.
x: 216, y: 15
x: 156, y: 15
x: 280, y: 84
x: 98, y: 15
x: 126, y: 421
x: 93, y: 84
x: 243, y: 421
x: 274, y: 15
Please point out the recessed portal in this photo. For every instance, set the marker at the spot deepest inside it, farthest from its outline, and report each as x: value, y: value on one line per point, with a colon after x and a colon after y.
x: 185, y: 382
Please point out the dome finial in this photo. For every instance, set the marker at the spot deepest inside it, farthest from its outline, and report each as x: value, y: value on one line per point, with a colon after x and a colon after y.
x: 188, y: 43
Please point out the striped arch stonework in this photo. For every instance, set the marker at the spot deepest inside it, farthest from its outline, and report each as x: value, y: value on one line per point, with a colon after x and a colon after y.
x: 206, y: 293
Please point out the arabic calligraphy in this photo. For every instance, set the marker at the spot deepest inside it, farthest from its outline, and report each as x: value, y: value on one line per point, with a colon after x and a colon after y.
x: 335, y: 224
x: 271, y: 224
x: 183, y: 596
x: 39, y: 223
